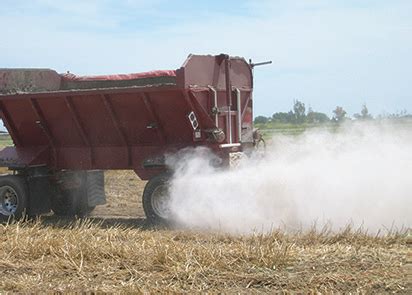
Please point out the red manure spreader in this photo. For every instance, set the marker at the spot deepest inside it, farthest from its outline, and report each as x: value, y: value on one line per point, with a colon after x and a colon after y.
x: 68, y: 129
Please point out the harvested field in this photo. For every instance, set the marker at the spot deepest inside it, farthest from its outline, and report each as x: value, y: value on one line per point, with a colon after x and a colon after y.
x: 119, y: 253
x: 124, y: 190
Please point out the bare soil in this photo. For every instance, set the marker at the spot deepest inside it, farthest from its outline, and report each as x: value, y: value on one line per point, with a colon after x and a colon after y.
x: 124, y: 192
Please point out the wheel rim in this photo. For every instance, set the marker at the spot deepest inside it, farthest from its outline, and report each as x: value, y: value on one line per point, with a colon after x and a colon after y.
x: 8, y: 200
x: 160, y: 201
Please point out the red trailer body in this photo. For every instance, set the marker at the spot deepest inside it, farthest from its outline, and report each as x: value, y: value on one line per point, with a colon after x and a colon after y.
x: 131, y: 121
x: 121, y: 127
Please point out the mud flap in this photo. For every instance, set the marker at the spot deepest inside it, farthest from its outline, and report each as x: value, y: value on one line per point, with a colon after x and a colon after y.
x: 95, y: 188
x: 39, y: 195
x: 39, y: 191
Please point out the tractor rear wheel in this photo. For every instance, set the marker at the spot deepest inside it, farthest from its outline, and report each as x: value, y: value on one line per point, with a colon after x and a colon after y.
x: 156, y: 199
x: 13, y: 196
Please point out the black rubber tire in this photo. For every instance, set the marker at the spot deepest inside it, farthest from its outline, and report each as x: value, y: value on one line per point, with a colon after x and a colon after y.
x: 64, y: 203
x: 19, y: 185
x: 71, y: 203
x: 151, y: 215
x: 73, y: 200
x: 89, y: 209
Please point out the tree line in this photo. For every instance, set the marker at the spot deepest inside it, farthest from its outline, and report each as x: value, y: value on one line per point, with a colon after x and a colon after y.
x: 299, y: 115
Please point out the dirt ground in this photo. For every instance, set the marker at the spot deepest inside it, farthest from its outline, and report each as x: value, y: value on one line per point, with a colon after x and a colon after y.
x: 124, y: 192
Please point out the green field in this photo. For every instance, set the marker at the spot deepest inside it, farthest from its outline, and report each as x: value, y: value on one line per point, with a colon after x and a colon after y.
x: 5, y: 140
x: 271, y: 129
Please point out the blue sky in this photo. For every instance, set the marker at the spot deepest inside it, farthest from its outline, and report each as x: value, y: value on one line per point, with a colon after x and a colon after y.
x: 325, y: 53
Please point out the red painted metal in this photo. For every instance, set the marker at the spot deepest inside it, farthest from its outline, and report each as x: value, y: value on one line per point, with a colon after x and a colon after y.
x: 79, y: 126
x: 109, y: 108
x: 122, y: 127
x: 45, y: 128
x: 155, y: 120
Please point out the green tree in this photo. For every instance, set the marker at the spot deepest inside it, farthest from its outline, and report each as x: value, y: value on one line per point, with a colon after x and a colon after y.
x: 316, y: 117
x: 299, y: 112
x: 339, y: 114
x: 282, y: 117
x: 364, y: 115
x: 261, y: 120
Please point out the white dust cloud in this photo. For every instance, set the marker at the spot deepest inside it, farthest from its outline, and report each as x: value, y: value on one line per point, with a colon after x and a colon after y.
x: 359, y: 175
